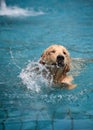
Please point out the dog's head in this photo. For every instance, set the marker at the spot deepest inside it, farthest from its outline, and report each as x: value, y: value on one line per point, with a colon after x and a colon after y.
x: 56, y: 55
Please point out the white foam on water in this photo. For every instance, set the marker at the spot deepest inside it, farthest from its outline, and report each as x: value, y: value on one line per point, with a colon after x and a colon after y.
x: 14, y: 11
x: 32, y: 76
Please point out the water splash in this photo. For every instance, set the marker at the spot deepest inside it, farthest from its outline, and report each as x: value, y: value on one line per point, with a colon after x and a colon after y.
x: 14, y: 11
x: 13, y: 59
x: 33, y: 76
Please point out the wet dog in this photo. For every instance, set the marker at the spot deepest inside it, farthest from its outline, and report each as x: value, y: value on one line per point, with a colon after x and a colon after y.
x: 57, y: 60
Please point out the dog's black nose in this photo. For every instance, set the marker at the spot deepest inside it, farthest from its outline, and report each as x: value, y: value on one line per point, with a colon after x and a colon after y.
x: 60, y: 58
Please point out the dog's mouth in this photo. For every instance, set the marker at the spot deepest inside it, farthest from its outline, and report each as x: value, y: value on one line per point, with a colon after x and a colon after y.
x: 59, y: 64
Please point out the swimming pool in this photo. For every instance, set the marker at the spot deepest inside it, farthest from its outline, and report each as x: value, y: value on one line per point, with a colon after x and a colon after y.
x: 30, y: 104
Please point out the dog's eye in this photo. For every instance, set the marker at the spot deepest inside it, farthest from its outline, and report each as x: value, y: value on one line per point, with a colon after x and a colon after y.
x: 53, y: 51
x: 64, y: 52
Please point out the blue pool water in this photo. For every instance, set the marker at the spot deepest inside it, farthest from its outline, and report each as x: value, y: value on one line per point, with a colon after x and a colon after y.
x: 27, y: 27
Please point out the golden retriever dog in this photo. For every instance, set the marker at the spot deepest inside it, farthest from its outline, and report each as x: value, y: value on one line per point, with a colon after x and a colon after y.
x: 57, y: 60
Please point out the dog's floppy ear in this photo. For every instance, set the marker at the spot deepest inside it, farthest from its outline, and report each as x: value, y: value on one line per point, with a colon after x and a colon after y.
x: 66, y: 69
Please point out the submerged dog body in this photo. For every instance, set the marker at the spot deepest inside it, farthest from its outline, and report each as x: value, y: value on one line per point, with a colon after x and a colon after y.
x: 57, y: 60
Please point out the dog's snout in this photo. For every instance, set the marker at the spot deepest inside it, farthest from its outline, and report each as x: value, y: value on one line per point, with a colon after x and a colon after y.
x: 60, y: 58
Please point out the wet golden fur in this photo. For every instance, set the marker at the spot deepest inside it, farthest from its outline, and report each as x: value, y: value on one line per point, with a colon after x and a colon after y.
x: 57, y: 69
